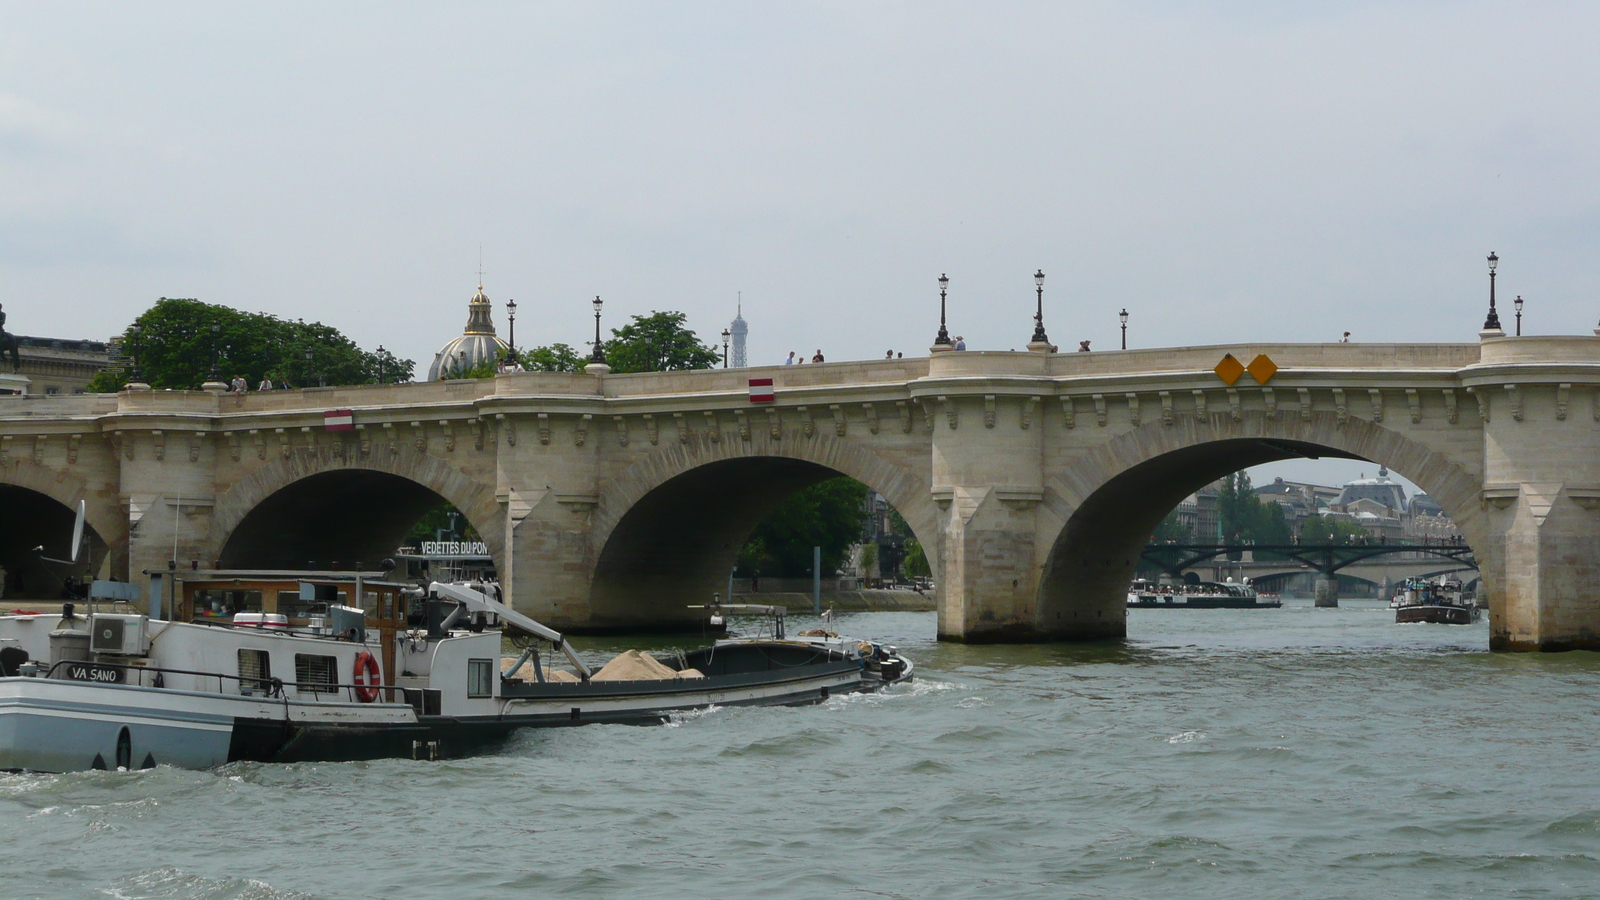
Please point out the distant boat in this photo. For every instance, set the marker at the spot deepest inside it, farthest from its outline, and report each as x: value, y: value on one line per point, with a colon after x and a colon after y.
x: 1204, y: 595
x: 1441, y: 602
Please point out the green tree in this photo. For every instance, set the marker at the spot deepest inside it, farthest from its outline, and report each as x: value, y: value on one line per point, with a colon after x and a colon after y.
x: 554, y: 358
x: 1328, y: 530
x: 826, y: 515
x: 1170, y: 530
x: 658, y: 342
x: 178, y: 340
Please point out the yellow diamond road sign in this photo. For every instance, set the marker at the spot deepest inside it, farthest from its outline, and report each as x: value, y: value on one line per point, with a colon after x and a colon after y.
x: 1262, y: 369
x: 1229, y: 369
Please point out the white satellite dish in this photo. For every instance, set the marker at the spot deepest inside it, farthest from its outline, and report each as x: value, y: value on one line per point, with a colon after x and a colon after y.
x: 77, y: 531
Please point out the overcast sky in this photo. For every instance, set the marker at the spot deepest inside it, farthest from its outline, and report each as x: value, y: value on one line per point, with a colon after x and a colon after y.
x: 1251, y: 171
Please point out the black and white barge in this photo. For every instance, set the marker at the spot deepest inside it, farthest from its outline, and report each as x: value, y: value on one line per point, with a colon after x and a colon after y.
x: 284, y: 667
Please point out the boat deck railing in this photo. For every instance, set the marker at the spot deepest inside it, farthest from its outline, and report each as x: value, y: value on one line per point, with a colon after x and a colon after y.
x: 269, y: 688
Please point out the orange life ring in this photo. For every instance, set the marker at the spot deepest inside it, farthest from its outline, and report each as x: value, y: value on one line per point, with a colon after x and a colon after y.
x: 366, y: 677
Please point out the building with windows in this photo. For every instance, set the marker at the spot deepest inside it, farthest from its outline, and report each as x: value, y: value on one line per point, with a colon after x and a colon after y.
x: 60, y: 365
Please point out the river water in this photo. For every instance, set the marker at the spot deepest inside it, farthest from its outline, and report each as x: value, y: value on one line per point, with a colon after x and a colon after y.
x: 1223, y: 753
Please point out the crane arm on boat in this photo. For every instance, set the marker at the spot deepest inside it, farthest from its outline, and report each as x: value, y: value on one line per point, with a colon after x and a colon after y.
x: 476, y: 601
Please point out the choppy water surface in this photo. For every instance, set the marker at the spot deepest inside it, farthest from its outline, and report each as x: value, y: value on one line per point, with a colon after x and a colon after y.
x: 1270, y: 753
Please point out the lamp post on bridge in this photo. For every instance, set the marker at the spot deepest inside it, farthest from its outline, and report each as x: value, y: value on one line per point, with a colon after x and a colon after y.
x: 1518, y: 305
x: 943, y: 342
x: 1040, y: 341
x: 1492, y: 322
x: 599, y: 354
x: 381, y: 352
x: 511, y: 317
x: 726, y: 334
x: 1123, y: 316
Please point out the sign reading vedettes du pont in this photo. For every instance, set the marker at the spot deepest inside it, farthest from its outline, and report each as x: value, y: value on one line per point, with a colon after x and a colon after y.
x: 455, y: 548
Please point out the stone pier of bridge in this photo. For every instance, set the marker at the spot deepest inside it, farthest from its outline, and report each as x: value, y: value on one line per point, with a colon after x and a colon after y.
x: 1033, y: 480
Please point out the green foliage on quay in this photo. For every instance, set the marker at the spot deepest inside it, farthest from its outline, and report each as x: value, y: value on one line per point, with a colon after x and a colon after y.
x: 826, y: 515
x: 176, y: 343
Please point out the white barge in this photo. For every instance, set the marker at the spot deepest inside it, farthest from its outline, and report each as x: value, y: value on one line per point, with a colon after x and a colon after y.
x: 291, y: 666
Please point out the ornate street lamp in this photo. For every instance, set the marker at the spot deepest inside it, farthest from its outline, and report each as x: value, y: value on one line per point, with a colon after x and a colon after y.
x: 943, y: 340
x: 306, y: 382
x: 1123, y: 316
x: 1518, y: 305
x: 1038, y: 315
x: 1492, y: 322
x: 599, y: 354
x: 726, y: 334
x: 216, y: 351
x: 511, y: 316
x: 381, y: 352
x: 137, y: 340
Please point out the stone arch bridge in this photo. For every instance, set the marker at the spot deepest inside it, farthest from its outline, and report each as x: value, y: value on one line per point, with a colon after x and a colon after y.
x: 1033, y: 480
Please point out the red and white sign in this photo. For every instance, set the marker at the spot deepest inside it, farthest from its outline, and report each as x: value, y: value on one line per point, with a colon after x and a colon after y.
x: 339, y: 420
x: 761, y: 390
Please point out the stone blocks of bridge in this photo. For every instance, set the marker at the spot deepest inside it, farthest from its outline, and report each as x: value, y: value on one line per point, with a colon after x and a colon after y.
x: 1031, y: 479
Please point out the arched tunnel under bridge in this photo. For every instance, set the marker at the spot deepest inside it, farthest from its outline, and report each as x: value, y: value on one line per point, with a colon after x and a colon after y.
x: 1085, y: 578
x: 342, y: 518
x: 36, y: 543
x: 675, y: 546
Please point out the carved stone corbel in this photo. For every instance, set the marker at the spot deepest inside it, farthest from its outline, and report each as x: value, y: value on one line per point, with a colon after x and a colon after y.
x: 284, y: 450
x: 807, y: 426
x: 1028, y: 406
x: 652, y: 428
x: 839, y: 423
x: 310, y: 436
x: 1305, y: 404
x: 1341, y: 409
x: 871, y: 414
x: 1376, y: 397
x: 38, y: 449
x: 1269, y: 401
x: 449, y: 431
x: 1563, y: 391
x: 72, y: 447
x: 713, y: 430
x: 988, y: 410
x: 158, y: 442
x: 907, y: 417
x: 580, y: 432
x: 364, y: 440
x: 1100, y: 409
x: 1133, y: 407
x: 260, y: 440
x: 743, y: 421
x: 544, y: 428
x: 1199, y: 404
x: 1414, y: 400
x: 1166, y: 407
x: 1483, y: 402
x: 389, y: 438
x: 774, y: 424
x: 196, y: 439
x: 5, y: 446
x: 621, y: 424
x: 1453, y: 415
x: 1515, y: 393
x: 478, y: 427
x: 233, y: 445
x: 1235, y: 408
x: 951, y: 413
x: 682, y: 425
x: 419, y: 437
x: 927, y: 414
x: 1069, y: 411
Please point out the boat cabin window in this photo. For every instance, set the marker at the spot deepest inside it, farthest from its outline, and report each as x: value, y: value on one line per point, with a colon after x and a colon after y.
x: 316, y: 674
x: 213, y: 602
x: 290, y: 604
x: 480, y: 678
x: 255, y: 667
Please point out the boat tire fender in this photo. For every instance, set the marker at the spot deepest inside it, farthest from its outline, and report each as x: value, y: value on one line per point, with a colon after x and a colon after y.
x: 366, y: 677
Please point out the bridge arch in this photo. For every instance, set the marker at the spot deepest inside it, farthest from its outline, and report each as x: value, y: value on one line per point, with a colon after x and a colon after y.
x: 321, y: 506
x: 39, y: 507
x: 667, y: 530
x: 1117, y: 493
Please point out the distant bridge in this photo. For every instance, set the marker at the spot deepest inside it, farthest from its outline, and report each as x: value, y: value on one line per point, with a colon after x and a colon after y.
x: 1327, y: 560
